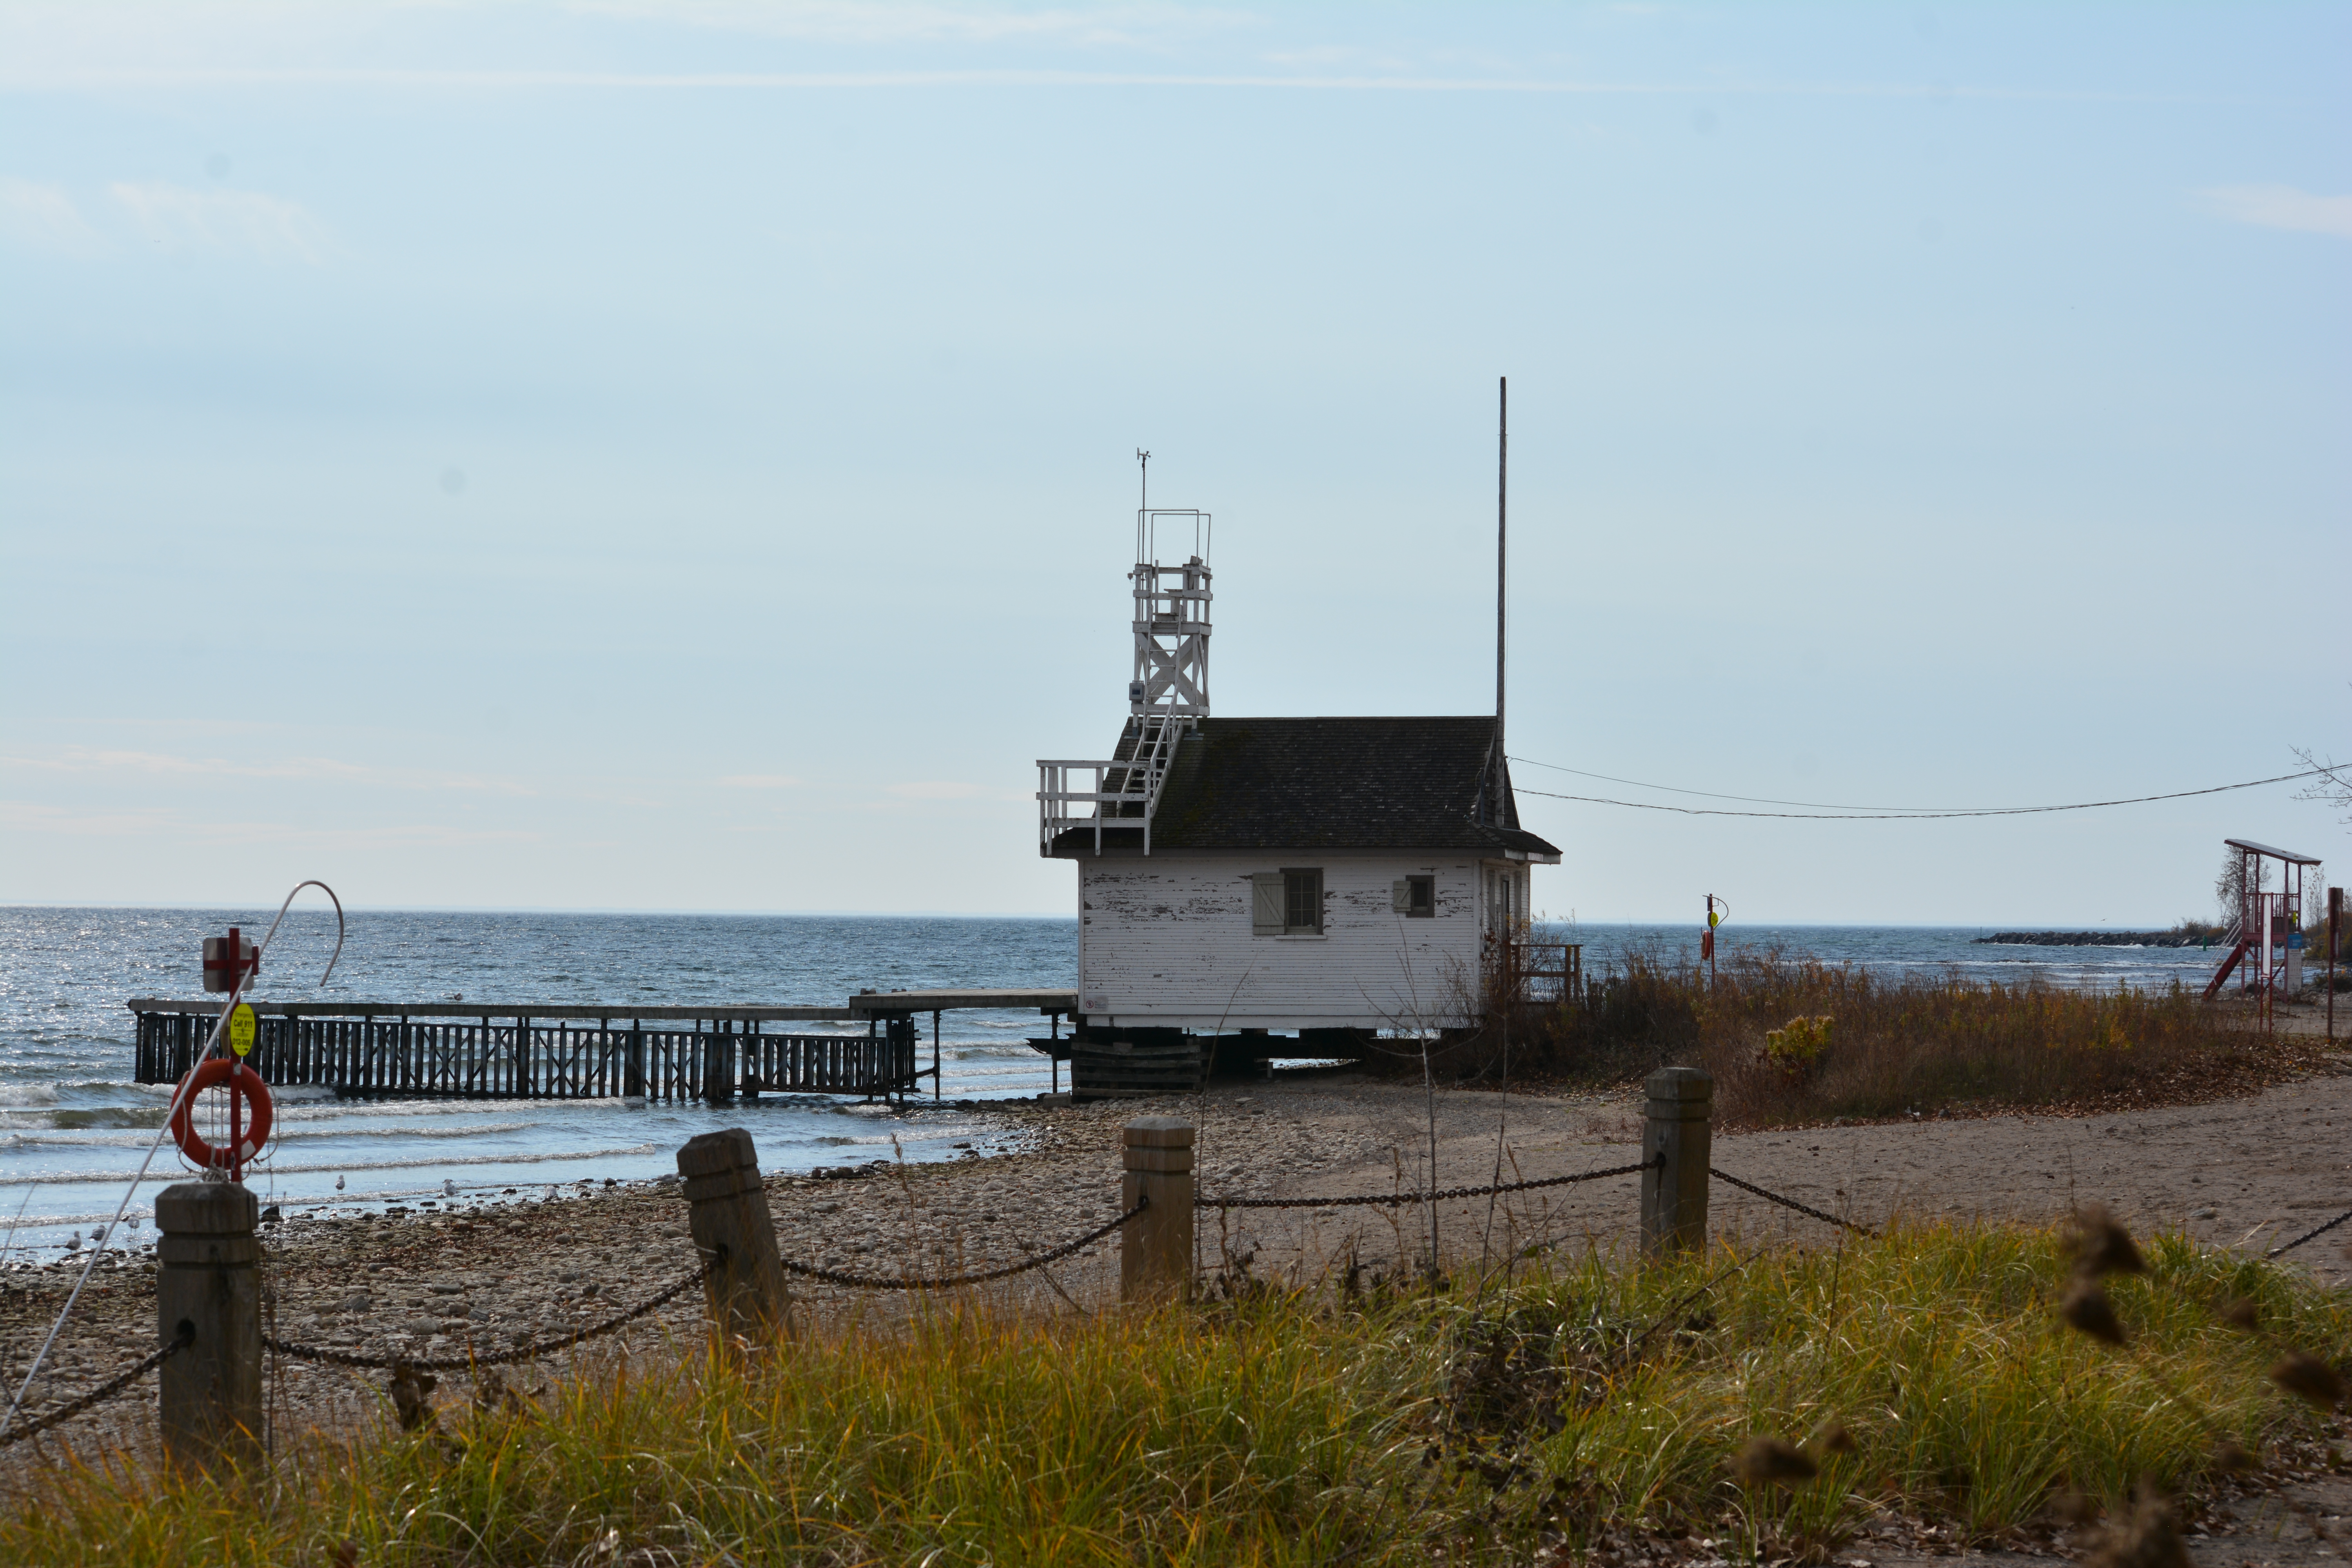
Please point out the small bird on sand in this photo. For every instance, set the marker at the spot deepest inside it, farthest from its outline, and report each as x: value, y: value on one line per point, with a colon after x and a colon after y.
x: 339, y: 1183
x: 448, y: 1188
x: 73, y: 1241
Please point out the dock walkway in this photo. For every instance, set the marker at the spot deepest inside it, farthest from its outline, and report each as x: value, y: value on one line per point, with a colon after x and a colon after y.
x: 534, y: 1050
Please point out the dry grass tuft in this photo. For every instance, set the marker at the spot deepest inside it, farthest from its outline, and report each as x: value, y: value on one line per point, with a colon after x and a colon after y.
x: 1835, y: 1439
x: 1901, y: 1045
x: 2307, y: 1377
x: 2087, y: 1310
x: 2146, y: 1536
x: 2101, y: 1246
x: 1764, y: 1461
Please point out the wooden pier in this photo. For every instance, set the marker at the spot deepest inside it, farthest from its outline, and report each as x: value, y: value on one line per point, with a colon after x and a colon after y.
x: 527, y: 1051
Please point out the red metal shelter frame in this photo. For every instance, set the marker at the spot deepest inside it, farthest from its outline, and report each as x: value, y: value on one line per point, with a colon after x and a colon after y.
x: 2266, y: 943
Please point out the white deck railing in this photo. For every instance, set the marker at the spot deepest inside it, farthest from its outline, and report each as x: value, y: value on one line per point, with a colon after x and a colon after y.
x: 1114, y: 785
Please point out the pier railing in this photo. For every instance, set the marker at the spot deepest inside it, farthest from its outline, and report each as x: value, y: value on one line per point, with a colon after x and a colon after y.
x: 443, y: 1051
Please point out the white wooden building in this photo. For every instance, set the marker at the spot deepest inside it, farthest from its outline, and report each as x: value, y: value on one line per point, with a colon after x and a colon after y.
x: 1278, y: 874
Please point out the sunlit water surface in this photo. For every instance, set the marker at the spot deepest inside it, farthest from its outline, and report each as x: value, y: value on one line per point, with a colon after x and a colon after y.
x: 73, y: 1127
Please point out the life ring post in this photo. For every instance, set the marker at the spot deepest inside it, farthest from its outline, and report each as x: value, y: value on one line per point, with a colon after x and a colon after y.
x: 247, y: 1137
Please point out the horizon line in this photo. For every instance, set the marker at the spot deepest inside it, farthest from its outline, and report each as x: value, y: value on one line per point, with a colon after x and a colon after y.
x: 621, y: 911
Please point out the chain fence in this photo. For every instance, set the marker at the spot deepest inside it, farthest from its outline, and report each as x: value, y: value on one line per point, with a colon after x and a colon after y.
x: 1789, y: 1203
x: 2311, y: 1234
x: 531, y: 1350
x: 955, y: 1282
x: 1397, y: 1200
x: 99, y: 1396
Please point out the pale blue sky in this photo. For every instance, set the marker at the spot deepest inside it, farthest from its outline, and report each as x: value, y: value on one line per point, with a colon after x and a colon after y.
x: 617, y: 455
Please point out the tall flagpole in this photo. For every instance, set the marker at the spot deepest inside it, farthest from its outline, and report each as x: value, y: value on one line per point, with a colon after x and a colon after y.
x: 1502, y: 540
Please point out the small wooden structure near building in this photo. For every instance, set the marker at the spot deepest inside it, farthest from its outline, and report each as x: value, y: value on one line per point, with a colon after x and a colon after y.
x: 1330, y: 877
x: 2265, y: 943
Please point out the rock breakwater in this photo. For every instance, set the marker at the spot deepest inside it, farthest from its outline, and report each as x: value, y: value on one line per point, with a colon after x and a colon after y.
x: 2101, y: 938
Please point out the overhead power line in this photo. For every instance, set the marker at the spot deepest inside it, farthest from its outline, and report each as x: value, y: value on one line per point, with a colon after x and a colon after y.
x: 1713, y: 795
x: 1896, y: 814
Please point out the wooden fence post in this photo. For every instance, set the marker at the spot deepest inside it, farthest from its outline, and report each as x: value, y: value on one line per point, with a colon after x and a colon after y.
x: 1677, y: 1141
x: 727, y: 1214
x: 1155, y: 1248
x: 209, y: 1285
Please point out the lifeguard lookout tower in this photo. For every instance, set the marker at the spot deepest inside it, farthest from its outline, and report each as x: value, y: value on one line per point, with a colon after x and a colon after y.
x: 1328, y: 877
x: 2266, y: 942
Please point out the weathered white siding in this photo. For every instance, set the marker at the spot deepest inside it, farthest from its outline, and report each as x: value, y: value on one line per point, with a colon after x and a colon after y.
x: 1167, y: 942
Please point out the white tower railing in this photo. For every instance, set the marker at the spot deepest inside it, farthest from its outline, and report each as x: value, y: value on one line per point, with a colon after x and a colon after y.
x: 1169, y: 693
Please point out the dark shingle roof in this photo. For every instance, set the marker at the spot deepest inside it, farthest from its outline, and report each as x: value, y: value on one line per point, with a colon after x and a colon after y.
x: 1325, y: 783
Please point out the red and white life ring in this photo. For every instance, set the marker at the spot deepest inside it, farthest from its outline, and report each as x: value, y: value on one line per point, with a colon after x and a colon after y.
x: 241, y: 1081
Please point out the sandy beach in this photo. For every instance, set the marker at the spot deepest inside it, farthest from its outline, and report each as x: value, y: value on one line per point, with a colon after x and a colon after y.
x: 2245, y: 1174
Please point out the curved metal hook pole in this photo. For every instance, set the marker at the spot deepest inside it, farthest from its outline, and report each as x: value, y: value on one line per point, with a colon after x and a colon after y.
x: 237, y: 989
x: 264, y: 947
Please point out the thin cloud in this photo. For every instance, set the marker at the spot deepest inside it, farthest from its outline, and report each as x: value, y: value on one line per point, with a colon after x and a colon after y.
x: 413, y: 835
x: 35, y: 816
x: 179, y: 219
x: 759, y: 781
x: 35, y: 216
x: 680, y: 82
x: 949, y: 789
x: 858, y: 22
x: 90, y: 758
x: 935, y: 789
x: 2281, y: 207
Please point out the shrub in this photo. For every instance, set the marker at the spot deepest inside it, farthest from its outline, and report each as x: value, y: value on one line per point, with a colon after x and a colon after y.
x: 1796, y: 1046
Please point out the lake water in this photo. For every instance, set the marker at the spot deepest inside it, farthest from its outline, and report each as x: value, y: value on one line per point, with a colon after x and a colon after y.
x: 73, y: 1127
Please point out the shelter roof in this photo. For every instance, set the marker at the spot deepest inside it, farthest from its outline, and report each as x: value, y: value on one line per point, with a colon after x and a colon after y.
x: 1333, y: 785
x: 2289, y: 855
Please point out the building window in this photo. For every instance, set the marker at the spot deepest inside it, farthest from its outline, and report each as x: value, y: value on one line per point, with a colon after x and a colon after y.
x: 1287, y: 903
x: 1302, y: 903
x: 1415, y: 898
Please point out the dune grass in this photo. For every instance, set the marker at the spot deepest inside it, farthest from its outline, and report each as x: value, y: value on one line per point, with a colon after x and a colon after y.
x: 1580, y: 1398
x: 1904, y: 1042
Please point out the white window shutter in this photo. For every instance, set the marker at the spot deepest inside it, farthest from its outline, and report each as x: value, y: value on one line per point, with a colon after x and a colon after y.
x: 1401, y: 896
x: 1266, y: 904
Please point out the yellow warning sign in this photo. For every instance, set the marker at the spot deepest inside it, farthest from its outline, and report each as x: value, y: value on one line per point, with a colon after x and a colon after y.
x: 241, y: 1026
